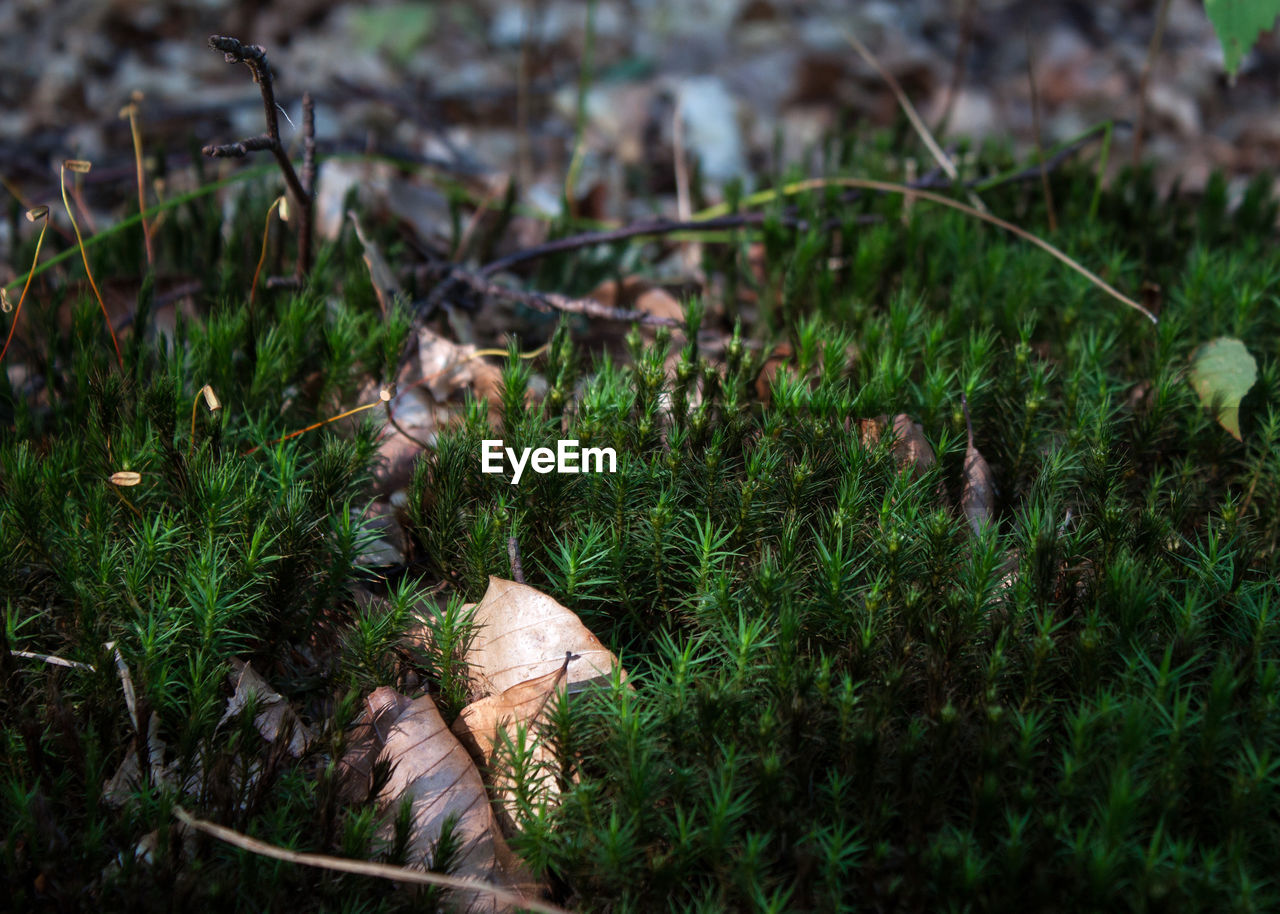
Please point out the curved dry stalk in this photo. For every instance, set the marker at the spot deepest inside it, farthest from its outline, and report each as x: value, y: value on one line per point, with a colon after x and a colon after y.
x: 81, y: 167
x: 917, y: 122
x: 262, y: 256
x: 130, y: 111
x: 890, y: 188
x: 361, y: 867
x: 39, y: 212
x: 211, y: 400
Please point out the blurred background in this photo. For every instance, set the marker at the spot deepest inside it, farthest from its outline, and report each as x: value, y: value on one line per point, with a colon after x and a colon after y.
x: 502, y: 88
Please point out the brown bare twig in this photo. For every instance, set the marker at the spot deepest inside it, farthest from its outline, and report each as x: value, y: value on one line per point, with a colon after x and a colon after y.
x: 254, y: 56
x: 1035, y: 136
x: 363, y: 867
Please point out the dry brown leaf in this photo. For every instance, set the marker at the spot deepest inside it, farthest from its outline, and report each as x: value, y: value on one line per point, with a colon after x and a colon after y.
x: 385, y: 285
x: 449, y: 368
x: 977, y: 496
x: 658, y: 302
x: 635, y: 293
x: 483, y: 724
x: 779, y: 357
x: 390, y: 546
x: 522, y: 634
x: 434, y: 772
x: 275, y: 715
x: 910, y: 447
x: 365, y: 740
x: 128, y: 777
x: 527, y: 648
x: 414, y: 412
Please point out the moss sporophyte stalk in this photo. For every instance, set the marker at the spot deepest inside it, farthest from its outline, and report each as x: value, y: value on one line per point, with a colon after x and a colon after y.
x: 566, y: 458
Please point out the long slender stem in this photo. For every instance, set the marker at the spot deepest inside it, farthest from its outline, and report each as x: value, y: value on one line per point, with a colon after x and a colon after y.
x: 1035, y: 136
x: 27, y: 285
x: 891, y: 188
x: 131, y: 111
x: 917, y: 122
x: 363, y: 867
x: 262, y: 256
x: 84, y: 255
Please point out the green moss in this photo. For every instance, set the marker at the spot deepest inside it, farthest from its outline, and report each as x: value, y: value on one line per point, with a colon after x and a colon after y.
x: 842, y: 699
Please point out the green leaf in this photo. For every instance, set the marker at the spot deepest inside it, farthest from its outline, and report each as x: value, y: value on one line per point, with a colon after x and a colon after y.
x: 398, y: 30
x: 1222, y: 371
x: 1238, y: 24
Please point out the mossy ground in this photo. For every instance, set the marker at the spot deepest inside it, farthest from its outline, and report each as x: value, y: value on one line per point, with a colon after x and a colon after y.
x: 844, y: 700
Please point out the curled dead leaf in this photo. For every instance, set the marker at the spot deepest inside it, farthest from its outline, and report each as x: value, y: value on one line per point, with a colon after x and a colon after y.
x: 484, y: 725
x: 977, y: 496
x: 434, y: 773
x: 522, y: 634
x: 449, y: 368
x: 275, y: 715
x: 385, y: 285
x: 910, y: 447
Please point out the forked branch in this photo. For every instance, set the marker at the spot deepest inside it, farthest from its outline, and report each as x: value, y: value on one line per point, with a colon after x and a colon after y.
x: 254, y: 56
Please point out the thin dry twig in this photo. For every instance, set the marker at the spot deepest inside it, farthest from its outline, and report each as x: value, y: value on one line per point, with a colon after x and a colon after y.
x: 1060, y: 256
x: 1035, y: 136
x: 254, y: 56
x: 554, y: 301
x: 660, y: 227
x: 55, y: 661
x: 939, y: 155
x: 361, y: 867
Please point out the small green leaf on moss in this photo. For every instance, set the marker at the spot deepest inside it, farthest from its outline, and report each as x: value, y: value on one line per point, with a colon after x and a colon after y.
x: 1222, y: 371
x: 1238, y: 24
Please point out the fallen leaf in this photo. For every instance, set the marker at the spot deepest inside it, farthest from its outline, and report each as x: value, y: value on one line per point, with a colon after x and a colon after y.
x: 1222, y: 372
x: 388, y: 546
x: 779, y: 357
x: 433, y: 771
x: 385, y: 285
x: 416, y: 413
x: 275, y: 715
x: 128, y: 777
x: 365, y: 740
x: 449, y: 368
x: 484, y: 725
x: 910, y: 447
x: 977, y: 497
x: 522, y: 634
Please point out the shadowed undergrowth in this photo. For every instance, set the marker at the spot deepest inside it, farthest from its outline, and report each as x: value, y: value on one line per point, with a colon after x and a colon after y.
x: 843, y: 699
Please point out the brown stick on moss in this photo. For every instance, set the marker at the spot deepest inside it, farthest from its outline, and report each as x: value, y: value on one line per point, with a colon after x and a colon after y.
x: 254, y: 56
